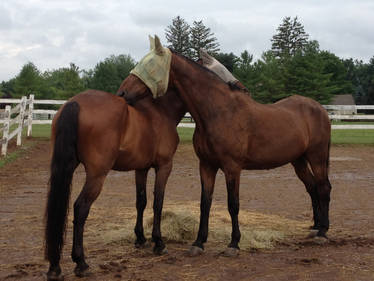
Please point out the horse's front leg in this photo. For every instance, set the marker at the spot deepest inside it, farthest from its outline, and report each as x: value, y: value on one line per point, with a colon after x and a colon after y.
x: 207, y: 178
x: 141, y: 203
x: 82, y: 205
x: 162, y: 175
x: 232, y: 185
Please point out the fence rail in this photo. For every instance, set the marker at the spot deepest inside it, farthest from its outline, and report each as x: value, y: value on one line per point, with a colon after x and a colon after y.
x: 22, y: 118
x: 26, y: 115
x: 339, y: 113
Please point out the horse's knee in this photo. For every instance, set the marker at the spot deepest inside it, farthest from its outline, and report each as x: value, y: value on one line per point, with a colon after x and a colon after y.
x: 324, y: 190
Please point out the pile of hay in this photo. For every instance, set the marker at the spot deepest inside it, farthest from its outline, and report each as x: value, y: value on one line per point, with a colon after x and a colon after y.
x: 180, y: 224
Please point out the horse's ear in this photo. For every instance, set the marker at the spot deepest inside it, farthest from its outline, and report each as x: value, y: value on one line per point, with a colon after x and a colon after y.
x: 151, y: 42
x: 158, y: 47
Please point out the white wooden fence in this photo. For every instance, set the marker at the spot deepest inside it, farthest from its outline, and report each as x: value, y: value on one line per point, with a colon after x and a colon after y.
x: 335, y: 115
x: 26, y: 115
x: 21, y: 117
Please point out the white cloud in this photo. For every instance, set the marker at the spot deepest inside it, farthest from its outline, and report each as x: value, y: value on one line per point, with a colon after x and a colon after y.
x: 51, y: 34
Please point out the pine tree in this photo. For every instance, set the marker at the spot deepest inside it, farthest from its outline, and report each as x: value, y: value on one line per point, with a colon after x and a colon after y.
x: 178, y: 36
x: 305, y: 74
x: 229, y: 60
x: 202, y: 37
x: 290, y: 38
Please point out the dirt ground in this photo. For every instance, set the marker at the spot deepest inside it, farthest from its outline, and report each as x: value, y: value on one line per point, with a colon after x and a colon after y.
x: 348, y: 255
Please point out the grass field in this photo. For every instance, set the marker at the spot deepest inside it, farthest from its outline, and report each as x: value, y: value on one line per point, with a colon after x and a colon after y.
x: 339, y: 137
x: 352, y: 137
x: 185, y: 134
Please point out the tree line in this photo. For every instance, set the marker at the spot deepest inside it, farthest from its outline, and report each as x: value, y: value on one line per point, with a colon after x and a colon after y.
x: 294, y: 65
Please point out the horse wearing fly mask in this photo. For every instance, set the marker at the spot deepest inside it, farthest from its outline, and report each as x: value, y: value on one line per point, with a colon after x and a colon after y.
x: 234, y: 132
x: 102, y: 132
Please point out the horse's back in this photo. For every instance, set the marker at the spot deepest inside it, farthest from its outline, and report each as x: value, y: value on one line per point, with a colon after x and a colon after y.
x: 101, y: 123
x: 312, y: 113
x: 285, y: 130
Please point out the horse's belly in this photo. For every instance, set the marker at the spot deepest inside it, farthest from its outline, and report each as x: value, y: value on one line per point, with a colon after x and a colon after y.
x: 268, y: 157
x: 128, y: 160
x: 265, y: 165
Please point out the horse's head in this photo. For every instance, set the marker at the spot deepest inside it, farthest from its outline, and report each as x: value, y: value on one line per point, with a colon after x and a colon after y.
x: 151, y: 74
x: 133, y: 89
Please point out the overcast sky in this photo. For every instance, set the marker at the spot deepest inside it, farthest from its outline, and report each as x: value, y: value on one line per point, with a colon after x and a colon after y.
x: 51, y: 34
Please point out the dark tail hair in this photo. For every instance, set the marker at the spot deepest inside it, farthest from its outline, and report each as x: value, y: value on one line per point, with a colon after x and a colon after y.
x: 64, y: 161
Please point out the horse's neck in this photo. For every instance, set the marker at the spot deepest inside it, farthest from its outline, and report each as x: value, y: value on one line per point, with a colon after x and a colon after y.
x: 202, y: 92
x: 169, y: 105
x: 172, y: 106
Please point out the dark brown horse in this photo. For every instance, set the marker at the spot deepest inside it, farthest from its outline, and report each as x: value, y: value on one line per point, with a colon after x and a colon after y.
x: 102, y: 132
x: 233, y: 132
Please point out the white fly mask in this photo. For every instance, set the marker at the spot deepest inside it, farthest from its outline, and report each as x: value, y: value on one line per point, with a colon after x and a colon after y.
x: 215, y: 66
x: 154, y: 68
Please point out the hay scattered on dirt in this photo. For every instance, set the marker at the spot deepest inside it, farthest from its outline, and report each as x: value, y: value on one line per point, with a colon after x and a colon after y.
x: 180, y: 224
x: 176, y: 226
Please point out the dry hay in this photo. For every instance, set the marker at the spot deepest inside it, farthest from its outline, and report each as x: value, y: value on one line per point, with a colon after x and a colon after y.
x: 180, y: 224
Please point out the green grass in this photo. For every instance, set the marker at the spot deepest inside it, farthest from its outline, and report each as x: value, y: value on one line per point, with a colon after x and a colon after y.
x: 19, y: 152
x: 361, y: 137
x: 41, y: 131
x: 38, y: 132
x: 185, y: 134
x: 352, y: 123
x: 356, y: 136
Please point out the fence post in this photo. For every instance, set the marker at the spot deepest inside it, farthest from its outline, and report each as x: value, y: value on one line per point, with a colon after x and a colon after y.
x: 20, y: 120
x: 6, y: 130
x: 29, y: 121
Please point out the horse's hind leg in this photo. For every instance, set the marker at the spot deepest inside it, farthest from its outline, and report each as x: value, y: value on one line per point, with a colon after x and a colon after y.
x: 207, y: 178
x: 141, y: 203
x: 82, y: 205
x: 303, y: 172
x: 162, y: 175
x: 319, y: 165
x: 232, y: 185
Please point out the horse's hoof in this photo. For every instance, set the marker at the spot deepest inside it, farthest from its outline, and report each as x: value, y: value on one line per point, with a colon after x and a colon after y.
x: 82, y: 271
x: 320, y: 240
x: 160, y: 251
x: 145, y: 245
x: 231, y: 252
x: 195, y: 251
x: 53, y: 276
x: 313, y: 233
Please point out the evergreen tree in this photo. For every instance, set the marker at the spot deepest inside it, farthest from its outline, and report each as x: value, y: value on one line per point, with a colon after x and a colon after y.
x: 246, y: 72
x: 339, y: 73
x: 7, y: 88
x: 178, y: 36
x: 364, y: 81
x: 304, y: 74
x: 289, y: 39
x: 229, y: 60
x: 270, y: 85
x: 202, y: 37
x: 370, y: 88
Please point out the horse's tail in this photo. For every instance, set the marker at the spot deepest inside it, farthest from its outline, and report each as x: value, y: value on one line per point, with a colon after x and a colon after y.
x: 64, y: 161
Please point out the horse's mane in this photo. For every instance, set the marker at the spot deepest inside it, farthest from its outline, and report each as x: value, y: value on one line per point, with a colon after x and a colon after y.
x: 232, y: 86
x: 198, y: 65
